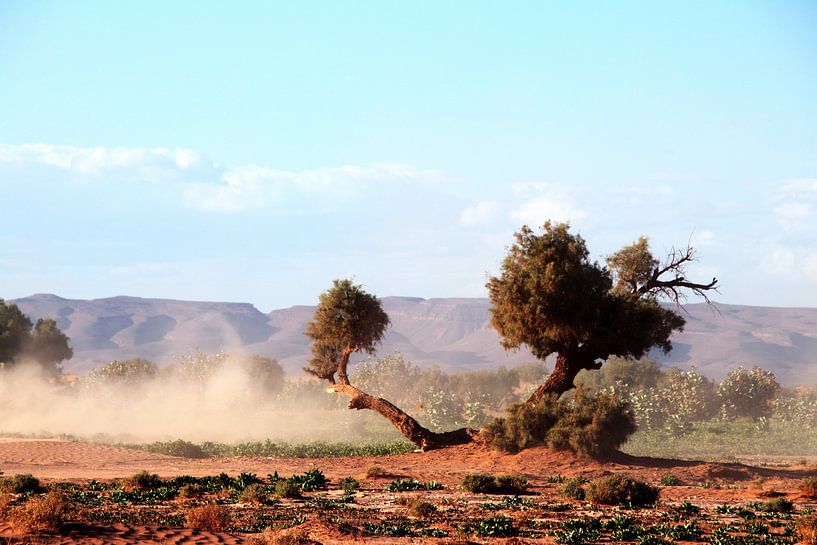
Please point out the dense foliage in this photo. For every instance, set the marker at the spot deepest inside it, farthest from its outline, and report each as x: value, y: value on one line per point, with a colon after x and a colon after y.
x: 21, y: 340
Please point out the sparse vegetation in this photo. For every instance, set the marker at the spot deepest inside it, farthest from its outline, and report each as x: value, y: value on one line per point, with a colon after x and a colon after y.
x: 809, y: 488
x: 46, y: 513
x: 211, y: 517
x: 573, y: 489
x: 807, y: 526
x: 20, y: 484
x: 483, y: 483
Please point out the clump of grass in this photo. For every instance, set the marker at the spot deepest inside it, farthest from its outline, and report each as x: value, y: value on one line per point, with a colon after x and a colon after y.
x: 375, y: 472
x: 143, y: 480
x: 288, y: 536
x: 573, y: 489
x: 254, y: 493
x: 417, y: 507
x: 21, y: 484
x: 46, y: 513
x: 211, y: 517
x: 349, y: 485
x: 483, y: 483
x: 287, y: 489
x: 669, y: 480
x: 777, y: 505
x: 807, y: 526
x: 179, y: 447
x: 809, y: 488
x: 617, y: 490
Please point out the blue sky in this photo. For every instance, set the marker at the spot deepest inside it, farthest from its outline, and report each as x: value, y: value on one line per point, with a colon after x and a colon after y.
x: 255, y: 151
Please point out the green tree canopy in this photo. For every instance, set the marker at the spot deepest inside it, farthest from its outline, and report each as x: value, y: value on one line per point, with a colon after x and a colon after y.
x: 552, y: 298
x: 347, y: 320
x: 42, y: 342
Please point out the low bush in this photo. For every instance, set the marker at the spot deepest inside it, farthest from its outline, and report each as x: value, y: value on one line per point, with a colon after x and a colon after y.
x: 573, y: 489
x: 212, y: 518
x: 254, y: 493
x: 287, y: 489
x: 310, y: 481
x: 617, y: 490
x: 588, y: 425
x: 498, y: 526
x: 288, y: 536
x: 375, y: 472
x: 143, y: 481
x: 417, y: 507
x: 809, y: 488
x: 482, y: 483
x: 21, y: 484
x: 47, y: 513
x: 807, y: 526
x: 777, y: 505
x: 191, y: 491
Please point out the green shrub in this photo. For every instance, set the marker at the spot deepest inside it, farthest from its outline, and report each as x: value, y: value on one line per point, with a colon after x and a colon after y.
x: 748, y: 393
x: 21, y: 484
x: 573, y: 489
x: 482, y: 483
x: 617, y: 489
x: 179, y: 447
x: 287, y: 489
x: 310, y: 481
x: 588, y: 425
x: 349, y: 485
x: 669, y: 480
x: 579, y: 531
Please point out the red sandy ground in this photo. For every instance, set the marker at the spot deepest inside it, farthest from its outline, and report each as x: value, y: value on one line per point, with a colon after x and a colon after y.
x: 52, y: 460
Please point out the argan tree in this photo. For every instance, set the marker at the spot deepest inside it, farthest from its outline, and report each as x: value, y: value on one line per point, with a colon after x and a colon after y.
x: 553, y: 299
x: 349, y: 320
x: 20, y: 340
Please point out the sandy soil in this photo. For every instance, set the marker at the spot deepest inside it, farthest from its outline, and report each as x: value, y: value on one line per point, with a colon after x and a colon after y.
x: 55, y: 460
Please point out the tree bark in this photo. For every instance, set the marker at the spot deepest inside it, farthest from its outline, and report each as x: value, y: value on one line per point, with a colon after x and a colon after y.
x: 568, y: 365
x: 424, y: 438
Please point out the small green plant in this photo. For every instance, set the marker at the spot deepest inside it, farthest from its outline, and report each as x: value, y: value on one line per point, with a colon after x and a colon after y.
x: 404, y: 485
x: 579, y: 531
x: 349, y: 485
x: 617, y: 490
x: 669, y: 480
x: 310, y: 481
x: 573, y: 489
x: 498, y: 526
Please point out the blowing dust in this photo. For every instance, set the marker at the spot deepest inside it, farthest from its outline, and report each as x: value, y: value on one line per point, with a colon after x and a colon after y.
x: 228, y: 404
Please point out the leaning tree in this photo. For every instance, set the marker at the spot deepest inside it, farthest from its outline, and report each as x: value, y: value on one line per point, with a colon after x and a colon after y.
x: 348, y: 320
x: 553, y: 299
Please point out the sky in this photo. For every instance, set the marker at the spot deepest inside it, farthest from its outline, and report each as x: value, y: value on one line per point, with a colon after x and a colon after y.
x: 254, y: 151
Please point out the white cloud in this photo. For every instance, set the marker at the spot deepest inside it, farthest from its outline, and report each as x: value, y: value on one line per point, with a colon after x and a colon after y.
x: 95, y: 160
x: 791, y: 263
x: 254, y: 187
x: 544, y: 202
x: 203, y: 185
x: 797, y: 201
x: 479, y: 214
x: 703, y: 238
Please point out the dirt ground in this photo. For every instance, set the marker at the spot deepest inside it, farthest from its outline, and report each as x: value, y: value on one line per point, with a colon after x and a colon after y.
x: 704, y: 484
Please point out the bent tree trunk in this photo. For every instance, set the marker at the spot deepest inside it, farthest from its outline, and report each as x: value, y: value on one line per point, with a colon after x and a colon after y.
x: 561, y: 379
x: 424, y: 438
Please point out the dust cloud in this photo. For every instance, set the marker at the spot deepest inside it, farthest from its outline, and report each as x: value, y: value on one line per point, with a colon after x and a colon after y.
x: 228, y: 404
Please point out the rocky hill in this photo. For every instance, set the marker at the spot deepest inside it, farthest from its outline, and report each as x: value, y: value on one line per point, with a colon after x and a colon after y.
x: 454, y: 334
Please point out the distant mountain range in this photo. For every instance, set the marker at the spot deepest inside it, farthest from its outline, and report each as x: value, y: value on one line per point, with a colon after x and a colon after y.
x: 452, y: 333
